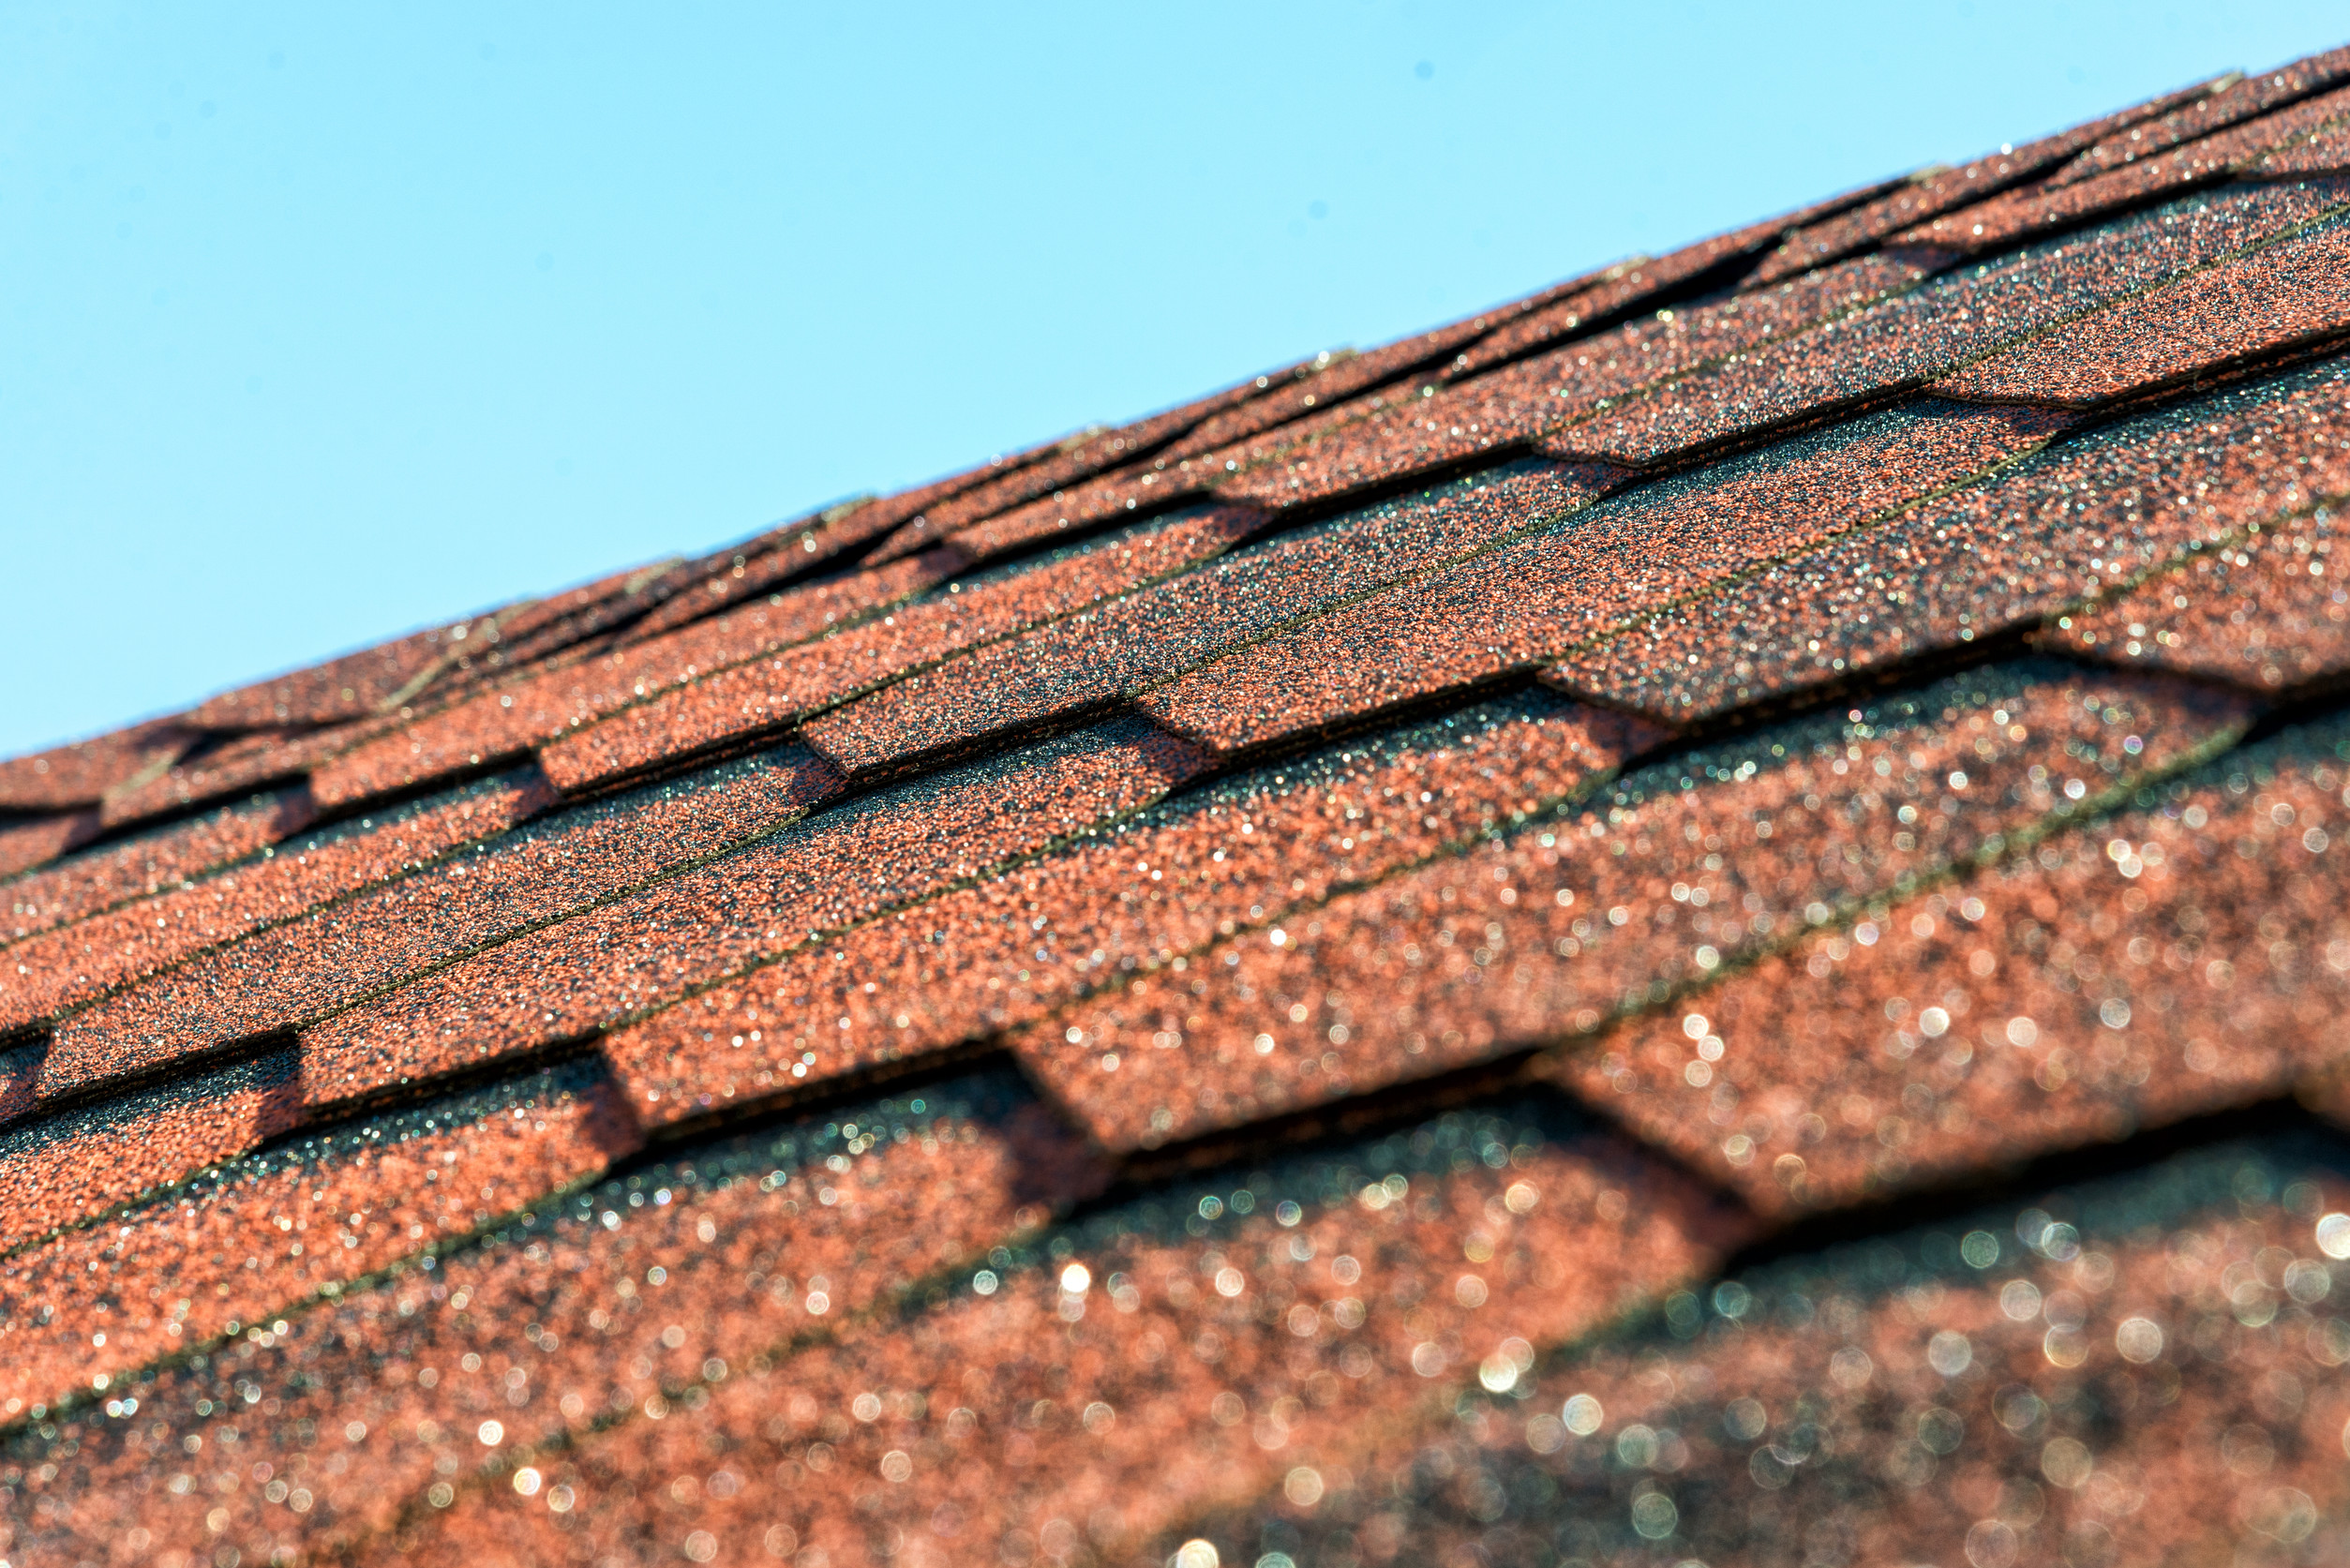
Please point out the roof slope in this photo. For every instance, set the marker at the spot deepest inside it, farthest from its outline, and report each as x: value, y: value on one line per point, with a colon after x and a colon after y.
x: 1702, y: 917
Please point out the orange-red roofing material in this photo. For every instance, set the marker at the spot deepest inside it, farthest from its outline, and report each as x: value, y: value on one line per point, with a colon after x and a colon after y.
x: 1698, y: 918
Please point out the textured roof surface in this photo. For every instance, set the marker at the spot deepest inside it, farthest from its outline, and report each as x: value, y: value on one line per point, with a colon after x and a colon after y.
x: 1702, y: 919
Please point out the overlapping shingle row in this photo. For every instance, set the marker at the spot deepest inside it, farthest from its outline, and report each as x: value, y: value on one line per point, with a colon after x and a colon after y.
x: 1422, y: 860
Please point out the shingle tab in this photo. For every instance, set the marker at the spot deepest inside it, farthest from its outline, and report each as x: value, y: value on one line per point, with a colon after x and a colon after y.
x: 1937, y: 191
x: 2021, y: 545
x: 1237, y: 437
x: 763, y: 564
x: 2023, y: 214
x: 1188, y: 1368
x: 1574, y: 581
x: 349, y: 687
x: 418, y: 1360
x: 25, y: 846
x: 234, y: 765
x: 2172, y: 961
x: 2327, y: 152
x: 81, y: 774
x: 2267, y: 610
x: 1609, y: 907
x: 150, y: 863
x: 1919, y: 336
x: 506, y: 722
x: 2141, y: 1369
x: 1393, y: 438
x: 290, y: 974
x: 738, y: 704
x: 1630, y: 283
x: 840, y: 868
x: 63, y: 968
x: 2289, y: 294
x: 1079, y: 458
x: 2242, y: 100
x: 169, y: 1275
x: 71, y: 1167
x: 1167, y: 883
x: 1345, y: 376
x: 1090, y: 659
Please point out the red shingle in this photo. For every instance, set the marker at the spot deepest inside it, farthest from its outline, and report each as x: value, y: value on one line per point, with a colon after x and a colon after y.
x: 234, y: 767
x: 2021, y: 214
x: 981, y: 959
x: 169, y: 1275
x: 885, y: 514
x: 1620, y: 288
x: 1919, y: 336
x: 1343, y: 377
x: 2165, y: 962
x: 2158, y: 1381
x: 2266, y: 610
x: 1572, y: 582
x: 1184, y: 1371
x: 1327, y: 392
x: 71, y: 1167
x: 1231, y: 439
x: 151, y: 863
x: 502, y: 724
x: 643, y: 602
x: 20, y: 1072
x: 1397, y: 432
x: 2293, y: 293
x: 1106, y: 500
x: 2242, y: 100
x: 1207, y: 470
x: 1541, y: 395
x: 2045, y: 535
x: 291, y: 974
x: 763, y: 564
x: 763, y: 1241
x: 1472, y: 777
x: 1552, y: 930
x: 1089, y: 659
x: 81, y: 774
x: 1080, y: 459
x: 26, y: 844
x: 643, y: 952
x: 754, y: 698
x: 1350, y: 390
x: 2326, y: 152
x: 351, y: 687
x: 59, y: 969
x: 1605, y: 293
x: 1930, y: 194
x: 559, y: 622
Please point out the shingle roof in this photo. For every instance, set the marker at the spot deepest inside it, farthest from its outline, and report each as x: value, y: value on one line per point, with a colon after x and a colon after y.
x: 1700, y: 918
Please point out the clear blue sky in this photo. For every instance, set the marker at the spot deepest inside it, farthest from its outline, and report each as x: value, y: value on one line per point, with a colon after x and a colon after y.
x: 322, y: 323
